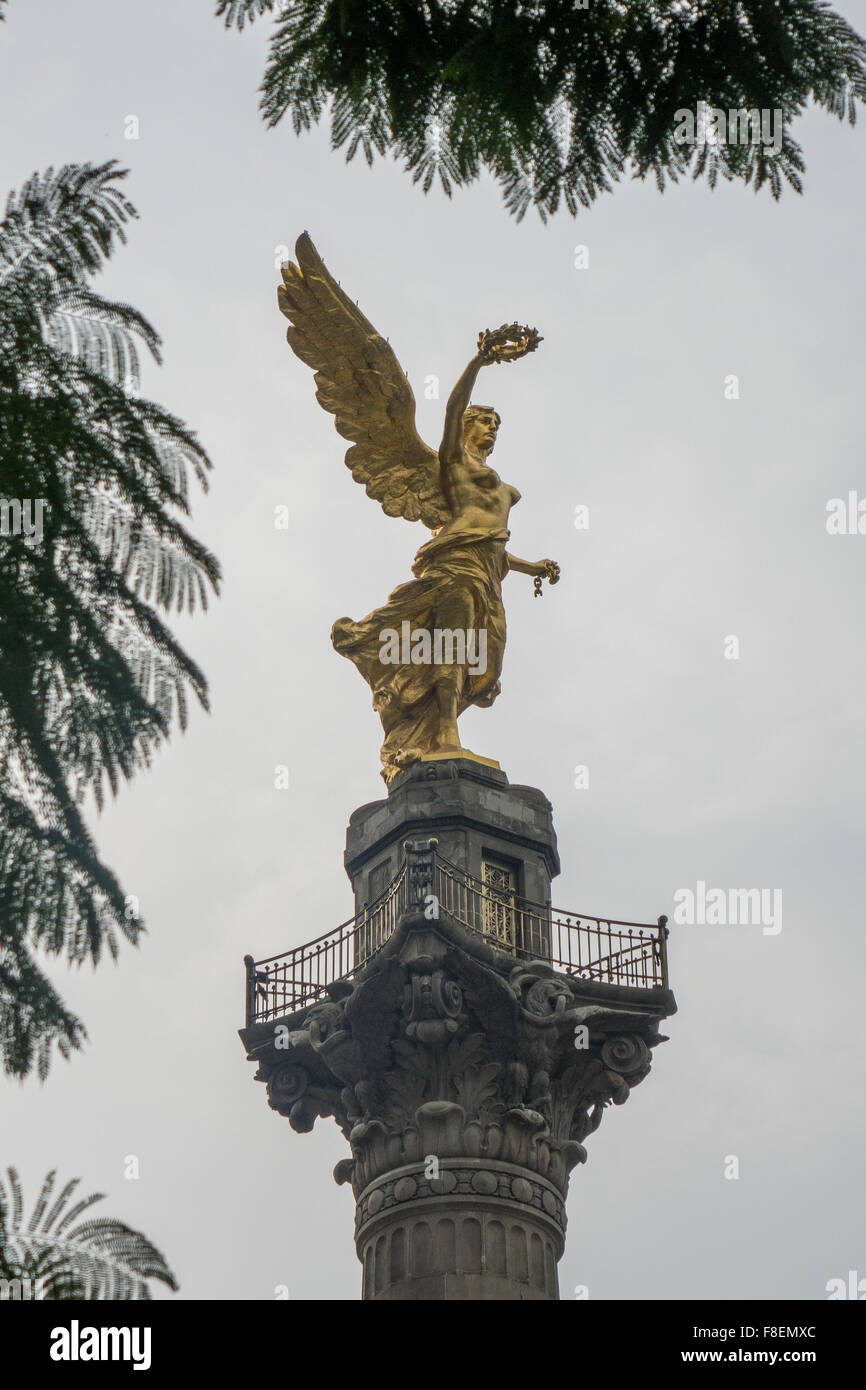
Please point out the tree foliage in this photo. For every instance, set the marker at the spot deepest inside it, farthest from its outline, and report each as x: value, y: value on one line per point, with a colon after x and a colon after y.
x: 64, y: 1257
x: 91, y: 679
x: 556, y: 102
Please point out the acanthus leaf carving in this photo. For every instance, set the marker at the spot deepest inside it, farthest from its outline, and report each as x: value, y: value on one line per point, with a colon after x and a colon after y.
x: 442, y: 1052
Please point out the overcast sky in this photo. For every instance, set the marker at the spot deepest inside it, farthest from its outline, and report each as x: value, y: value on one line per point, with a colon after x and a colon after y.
x: 707, y: 520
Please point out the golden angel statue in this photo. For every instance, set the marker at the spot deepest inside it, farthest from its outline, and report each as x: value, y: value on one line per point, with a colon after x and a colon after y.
x: 436, y: 646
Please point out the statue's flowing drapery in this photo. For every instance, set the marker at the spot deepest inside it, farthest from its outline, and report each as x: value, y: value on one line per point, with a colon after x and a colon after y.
x: 470, y: 564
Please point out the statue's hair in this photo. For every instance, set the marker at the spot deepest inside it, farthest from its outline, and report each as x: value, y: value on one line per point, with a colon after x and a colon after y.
x: 472, y: 410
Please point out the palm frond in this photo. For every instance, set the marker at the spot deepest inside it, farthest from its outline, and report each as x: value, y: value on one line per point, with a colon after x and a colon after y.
x: 102, y: 1258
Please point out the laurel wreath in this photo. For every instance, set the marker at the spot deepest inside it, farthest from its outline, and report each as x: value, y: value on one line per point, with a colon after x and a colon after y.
x: 508, y: 343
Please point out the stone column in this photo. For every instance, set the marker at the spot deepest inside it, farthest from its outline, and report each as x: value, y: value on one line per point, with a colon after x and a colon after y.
x: 482, y: 1229
x: 464, y: 1077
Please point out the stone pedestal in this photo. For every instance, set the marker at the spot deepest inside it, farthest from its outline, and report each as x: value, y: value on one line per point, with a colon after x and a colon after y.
x: 464, y: 1072
x: 472, y: 811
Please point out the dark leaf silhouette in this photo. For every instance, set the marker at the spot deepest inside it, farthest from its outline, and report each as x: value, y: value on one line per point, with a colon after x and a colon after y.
x: 557, y: 100
x: 93, y: 478
x: 61, y: 1256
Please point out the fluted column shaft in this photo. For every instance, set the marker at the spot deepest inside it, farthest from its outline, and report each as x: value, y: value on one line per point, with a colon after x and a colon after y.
x: 480, y: 1230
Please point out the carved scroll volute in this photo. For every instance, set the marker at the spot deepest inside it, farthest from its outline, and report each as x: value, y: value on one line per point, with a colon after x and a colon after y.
x: 287, y: 1094
x: 627, y: 1056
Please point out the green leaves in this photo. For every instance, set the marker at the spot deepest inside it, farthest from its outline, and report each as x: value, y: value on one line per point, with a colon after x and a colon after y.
x: 67, y: 1258
x: 239, y: 12
x: 556, y: 102
x: 61, y: 227
x: 91, y: 679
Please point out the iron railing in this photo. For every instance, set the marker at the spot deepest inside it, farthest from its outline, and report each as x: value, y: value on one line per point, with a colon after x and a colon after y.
x: 591, y: 948
x: 278, y: 985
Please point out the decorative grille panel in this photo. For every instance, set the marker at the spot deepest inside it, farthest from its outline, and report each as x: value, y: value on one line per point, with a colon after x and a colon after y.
x: 498, y: 908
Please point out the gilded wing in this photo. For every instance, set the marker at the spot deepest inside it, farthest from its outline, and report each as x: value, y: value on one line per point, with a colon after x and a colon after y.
x: 360, y: 381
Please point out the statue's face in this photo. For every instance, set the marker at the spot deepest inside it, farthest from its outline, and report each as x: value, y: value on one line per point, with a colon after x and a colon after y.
x: 481, y: 429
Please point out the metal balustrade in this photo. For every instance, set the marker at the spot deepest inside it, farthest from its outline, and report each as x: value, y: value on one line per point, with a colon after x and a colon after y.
x: 590, y: 948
